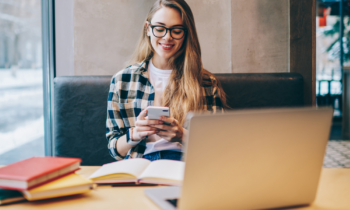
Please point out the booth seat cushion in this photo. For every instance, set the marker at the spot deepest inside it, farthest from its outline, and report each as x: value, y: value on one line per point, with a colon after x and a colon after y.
x: 263, y: 90
x: 80, y: 104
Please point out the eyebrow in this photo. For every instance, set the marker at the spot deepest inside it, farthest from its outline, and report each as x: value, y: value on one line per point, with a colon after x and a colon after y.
x: 160, y: 23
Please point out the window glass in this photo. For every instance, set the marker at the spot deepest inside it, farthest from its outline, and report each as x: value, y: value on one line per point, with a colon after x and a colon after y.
x: 21, y: 94
x: 336, y: 88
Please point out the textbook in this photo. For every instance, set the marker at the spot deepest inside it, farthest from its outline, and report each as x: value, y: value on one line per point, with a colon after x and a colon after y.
x: 28, y: 173
x: 10, y: 196
x: 139, y: 170
x: 67, y: 185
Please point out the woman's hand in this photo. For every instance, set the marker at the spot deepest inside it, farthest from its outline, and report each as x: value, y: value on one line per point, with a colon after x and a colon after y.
x: 143, y: 127
x: 173, y: 132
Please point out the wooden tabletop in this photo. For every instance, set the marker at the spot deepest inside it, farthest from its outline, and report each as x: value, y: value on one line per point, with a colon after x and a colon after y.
x: 333, y: 194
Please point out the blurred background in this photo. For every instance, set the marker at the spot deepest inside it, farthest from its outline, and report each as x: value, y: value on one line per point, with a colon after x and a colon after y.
x: 89, y: 32
x: 332, y: 57
x: 21, y: 89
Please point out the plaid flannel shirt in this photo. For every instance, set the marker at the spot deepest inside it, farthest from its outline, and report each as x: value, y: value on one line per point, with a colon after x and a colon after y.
x: 131, y: 92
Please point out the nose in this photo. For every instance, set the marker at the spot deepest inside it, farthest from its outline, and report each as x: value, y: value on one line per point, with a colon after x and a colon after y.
x: 167, y: 36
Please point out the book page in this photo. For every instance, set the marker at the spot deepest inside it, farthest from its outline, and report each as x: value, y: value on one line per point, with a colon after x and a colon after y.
x: 130, y: 166
x: 165, y: 169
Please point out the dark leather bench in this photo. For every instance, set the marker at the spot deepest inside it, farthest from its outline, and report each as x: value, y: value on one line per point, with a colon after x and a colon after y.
x: 80, y: 104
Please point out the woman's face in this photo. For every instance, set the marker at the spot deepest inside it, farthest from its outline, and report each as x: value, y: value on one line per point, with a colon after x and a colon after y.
x: 166, y: 46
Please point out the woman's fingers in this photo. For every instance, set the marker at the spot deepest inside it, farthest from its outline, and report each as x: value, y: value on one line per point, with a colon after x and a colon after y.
x: 142, y: 129
x: 148, y: 122
x: 146, y: 133
x: 170, y: 120
x: 141, y: 132
x: 145, y: 128
x: 142, y: 115
x: 166, y: 133
x: 166, y: 127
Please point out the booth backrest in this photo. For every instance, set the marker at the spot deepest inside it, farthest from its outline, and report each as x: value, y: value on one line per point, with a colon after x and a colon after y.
x: 80, y: 104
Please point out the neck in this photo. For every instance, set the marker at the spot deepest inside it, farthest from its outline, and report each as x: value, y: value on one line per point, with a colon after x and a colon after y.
x: 161, y: 63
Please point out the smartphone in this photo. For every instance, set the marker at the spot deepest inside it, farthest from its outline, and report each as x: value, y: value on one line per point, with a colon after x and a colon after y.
x: 154, y: 112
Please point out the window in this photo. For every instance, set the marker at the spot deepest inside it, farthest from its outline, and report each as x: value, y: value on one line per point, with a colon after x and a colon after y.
x: 21, y: 81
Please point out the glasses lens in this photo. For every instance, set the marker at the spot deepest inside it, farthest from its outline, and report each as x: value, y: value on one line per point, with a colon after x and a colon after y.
x: 177, y: 33
x: 159, y: 31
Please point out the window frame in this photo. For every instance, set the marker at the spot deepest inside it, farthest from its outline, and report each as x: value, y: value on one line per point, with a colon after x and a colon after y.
x: 48, y: 53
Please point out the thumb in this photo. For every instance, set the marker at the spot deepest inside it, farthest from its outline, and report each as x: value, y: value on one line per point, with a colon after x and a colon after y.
x: 142, y: 114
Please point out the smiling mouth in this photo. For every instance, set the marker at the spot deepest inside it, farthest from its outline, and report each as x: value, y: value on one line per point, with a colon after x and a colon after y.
x: 166, y: 46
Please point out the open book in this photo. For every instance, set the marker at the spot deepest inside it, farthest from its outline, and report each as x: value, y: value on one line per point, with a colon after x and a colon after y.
x: 139, y: 170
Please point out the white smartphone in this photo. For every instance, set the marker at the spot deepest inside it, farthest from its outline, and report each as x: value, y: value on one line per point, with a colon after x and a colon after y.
x: 154, y: 112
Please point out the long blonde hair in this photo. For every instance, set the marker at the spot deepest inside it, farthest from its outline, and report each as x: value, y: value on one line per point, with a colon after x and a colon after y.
x: 184, y: 90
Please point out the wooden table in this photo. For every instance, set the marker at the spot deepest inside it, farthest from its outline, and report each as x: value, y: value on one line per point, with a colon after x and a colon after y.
x: 333, y: 194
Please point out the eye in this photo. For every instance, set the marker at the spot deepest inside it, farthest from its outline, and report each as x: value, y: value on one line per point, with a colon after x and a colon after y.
x: 159, y: 29
x: 177, y: 30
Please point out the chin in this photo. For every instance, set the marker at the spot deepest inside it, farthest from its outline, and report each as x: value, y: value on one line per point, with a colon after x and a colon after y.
x: 166, y: 56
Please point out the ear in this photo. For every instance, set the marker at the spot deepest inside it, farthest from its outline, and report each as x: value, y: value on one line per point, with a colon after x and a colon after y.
x: 147, y: 29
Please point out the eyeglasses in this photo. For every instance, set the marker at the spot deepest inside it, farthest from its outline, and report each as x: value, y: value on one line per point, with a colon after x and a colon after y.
x: 161, y: 31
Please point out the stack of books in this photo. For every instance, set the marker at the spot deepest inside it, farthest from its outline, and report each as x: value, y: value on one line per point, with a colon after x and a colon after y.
x: 39, y: 178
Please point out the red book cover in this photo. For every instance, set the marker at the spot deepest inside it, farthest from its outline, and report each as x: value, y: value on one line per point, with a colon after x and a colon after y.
x: 35, y: 167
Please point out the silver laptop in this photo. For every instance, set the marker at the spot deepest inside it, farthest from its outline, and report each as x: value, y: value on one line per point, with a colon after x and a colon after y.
x: 256, y: 159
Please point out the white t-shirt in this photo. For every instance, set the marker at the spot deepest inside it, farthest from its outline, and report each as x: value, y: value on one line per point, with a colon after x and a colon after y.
x: 159, y: 79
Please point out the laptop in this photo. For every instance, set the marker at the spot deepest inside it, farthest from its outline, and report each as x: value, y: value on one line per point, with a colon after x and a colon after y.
x: 250, y: 159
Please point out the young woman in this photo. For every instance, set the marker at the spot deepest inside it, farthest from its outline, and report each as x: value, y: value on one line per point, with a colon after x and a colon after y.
x: 168, y: 72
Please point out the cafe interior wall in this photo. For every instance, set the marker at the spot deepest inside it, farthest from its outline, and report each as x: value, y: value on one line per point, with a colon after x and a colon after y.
x: 236, y: 36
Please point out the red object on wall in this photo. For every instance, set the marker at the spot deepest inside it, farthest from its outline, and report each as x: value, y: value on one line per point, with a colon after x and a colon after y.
x: 322, y: 21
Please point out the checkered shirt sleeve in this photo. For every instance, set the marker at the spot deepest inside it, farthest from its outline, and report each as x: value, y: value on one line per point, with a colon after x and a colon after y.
x: 129, y: 93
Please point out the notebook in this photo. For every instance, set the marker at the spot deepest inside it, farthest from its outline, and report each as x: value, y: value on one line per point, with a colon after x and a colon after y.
x: 252, y: 159
x: 140, y: 170
x: 70, y: 184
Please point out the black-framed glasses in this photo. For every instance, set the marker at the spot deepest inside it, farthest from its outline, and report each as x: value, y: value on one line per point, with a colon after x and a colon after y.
x: 161, y: 31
